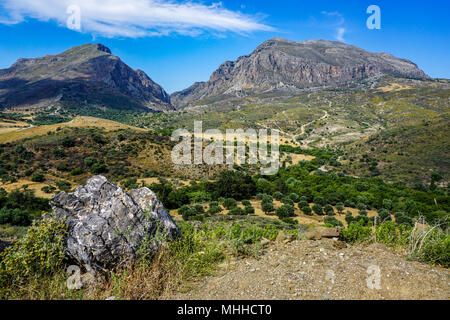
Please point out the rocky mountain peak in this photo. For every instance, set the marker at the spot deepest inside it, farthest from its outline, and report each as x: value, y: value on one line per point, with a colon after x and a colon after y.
x: 280, y: 64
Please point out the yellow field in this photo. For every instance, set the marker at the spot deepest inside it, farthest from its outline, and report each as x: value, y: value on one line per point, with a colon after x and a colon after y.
x: 394, y: 87
x: 36, y: 186
x: 78, y: 122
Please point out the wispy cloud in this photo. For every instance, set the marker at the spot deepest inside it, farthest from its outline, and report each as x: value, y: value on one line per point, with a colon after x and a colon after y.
x: 136, y: 18
x: 337, y: 24
x: 340, y: 34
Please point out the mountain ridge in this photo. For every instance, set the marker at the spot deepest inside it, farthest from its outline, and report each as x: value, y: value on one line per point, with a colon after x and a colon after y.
x: 83, y: 75
x: 280, y: 64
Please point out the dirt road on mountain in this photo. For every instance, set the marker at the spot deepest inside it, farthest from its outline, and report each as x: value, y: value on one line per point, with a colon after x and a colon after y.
x: 308, y: 269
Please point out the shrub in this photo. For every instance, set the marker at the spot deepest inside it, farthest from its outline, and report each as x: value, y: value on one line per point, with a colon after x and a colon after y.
x: 389, y: 234
x: 430, y: 245
x: 38, y: 177
x: 41, y: 252
x: 285, y: 211
x: 384, y: 215
x: 246, y: 203
x: 356, y: 232
x: 76, y: 172
x: 214, y: 209
x: 186, y: 212
x: 63, y: 185
x: 249, y: 210
x: 237, y: 211
x: 319, y: 200
x: 294, y: 197
x: 317, y: 208
x: 340, y: 207
x: 278, y: 195
x: 307, y: 210
x: 333, y: 221
x: 229, y: 203
x: 267, y: 206
x: 199, y: 209
x: 329, y: 210
x: 401, y: 218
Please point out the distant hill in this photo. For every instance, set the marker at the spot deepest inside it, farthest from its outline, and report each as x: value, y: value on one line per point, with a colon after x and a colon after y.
x: 84, y: 76
x: 287, y: 66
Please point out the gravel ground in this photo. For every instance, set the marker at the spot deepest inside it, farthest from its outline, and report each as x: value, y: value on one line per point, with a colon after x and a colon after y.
x: 324, y: 269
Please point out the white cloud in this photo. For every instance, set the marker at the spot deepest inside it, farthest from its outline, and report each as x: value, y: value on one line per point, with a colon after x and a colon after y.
x: 337, y: 24
x: 340, y: 34
x: 136, y: 18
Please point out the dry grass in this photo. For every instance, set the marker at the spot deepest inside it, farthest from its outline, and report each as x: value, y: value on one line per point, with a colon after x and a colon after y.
x: 78, y: 122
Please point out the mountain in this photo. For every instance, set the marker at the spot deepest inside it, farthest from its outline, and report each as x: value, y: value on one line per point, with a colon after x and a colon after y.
x: 84, y: 76
x: 284, y: 65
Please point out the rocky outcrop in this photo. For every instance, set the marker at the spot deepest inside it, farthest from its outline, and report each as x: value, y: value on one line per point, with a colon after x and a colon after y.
x: 87, y: 75
x: 283, y: 65
x: 318, y: 233
x: 106, y: 225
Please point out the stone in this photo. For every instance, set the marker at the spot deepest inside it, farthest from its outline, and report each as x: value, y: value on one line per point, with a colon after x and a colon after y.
x: 318, y: 233
x: 106, y: 225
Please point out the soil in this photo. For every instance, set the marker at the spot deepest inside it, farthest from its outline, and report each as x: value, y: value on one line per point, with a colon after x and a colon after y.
x: 323, y: 269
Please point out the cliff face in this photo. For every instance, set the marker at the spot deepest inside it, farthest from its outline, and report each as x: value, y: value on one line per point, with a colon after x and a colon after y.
x: 280, y: 64
x: 88, y: 74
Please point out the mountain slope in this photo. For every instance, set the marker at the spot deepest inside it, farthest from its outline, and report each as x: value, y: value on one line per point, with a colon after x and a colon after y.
x: 284, y: 65
x: 87, y: 75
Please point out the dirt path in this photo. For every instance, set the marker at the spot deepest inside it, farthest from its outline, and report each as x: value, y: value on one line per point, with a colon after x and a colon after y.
x: 308, y: 269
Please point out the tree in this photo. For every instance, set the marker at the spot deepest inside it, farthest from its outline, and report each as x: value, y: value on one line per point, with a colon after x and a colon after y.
x: 340, y: 207
x: 249, y: 209
x: 384, y: 215
x: 333, y: 221
x: 267, y: 206
x: 319, y: 200
x: 284, y: 211
x: 236, y: 211
x: 307, y: 210
x: 329, y: 210
x: 278, y: 195
x: 229, y: 203
x: 317, y: 208
x: 294, y: 197
x: 186, y: 212
x: 387, y: 204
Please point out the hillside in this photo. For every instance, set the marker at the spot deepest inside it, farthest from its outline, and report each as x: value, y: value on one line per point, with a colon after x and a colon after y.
x: 287, y: 66
x: 83, y: 77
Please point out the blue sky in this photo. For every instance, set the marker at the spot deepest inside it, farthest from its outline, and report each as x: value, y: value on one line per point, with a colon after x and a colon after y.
x: 178, y: 43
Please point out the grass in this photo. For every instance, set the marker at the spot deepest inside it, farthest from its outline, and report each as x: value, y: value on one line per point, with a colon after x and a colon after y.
x: 179, y: 263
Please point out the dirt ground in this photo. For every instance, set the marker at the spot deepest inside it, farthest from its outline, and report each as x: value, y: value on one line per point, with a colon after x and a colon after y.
x: 316, y: 270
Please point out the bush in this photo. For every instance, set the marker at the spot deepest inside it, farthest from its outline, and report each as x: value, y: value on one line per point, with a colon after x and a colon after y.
x: 307, y: 210
x: 333, y: 221
x: 294, y: 197
x: 186, y: 212
x: 246, y: 203
x: 38, y: 177
x: 317, y: 208
x: 402, y: 219
x: 357, y: 232
x: 389, y: 234
x: 249, y: 210
x: 329, y: 210
x: 237, y: 211
x: 63, y: 185
x: 199, y: 209
x: 267, y: 206
x: 40, y: 253
x: 285, y: 211
x: 229, y: 203
x: 278, y: 195
x: 340, y: 207
x: 214, y: 209
x: 430, y: 245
